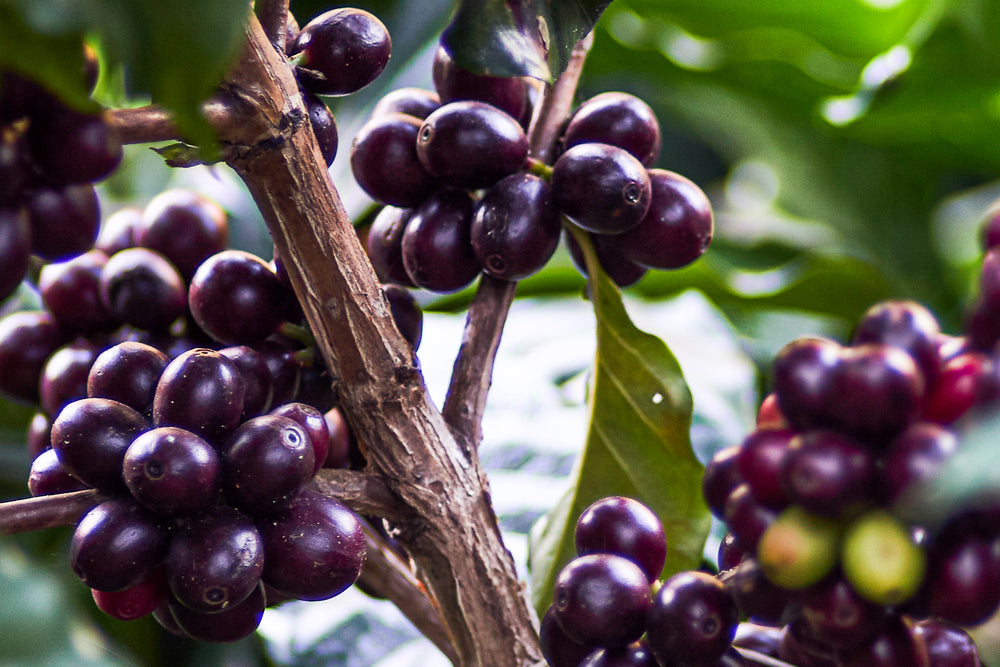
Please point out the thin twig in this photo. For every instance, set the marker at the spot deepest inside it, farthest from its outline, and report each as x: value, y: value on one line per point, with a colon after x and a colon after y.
x: 148, y: 124
x: 386, y: 575
x: 473, y: 370
x: 273, y: 16
x: 363, y: 492
x: 59, y: 509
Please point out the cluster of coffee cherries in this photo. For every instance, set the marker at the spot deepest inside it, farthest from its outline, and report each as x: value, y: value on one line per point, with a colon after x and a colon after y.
x: 177, y: 378
x: 820, y: 547
x: 462, y: 195
x: 338, y: 52
x: 50, y: 156
x: 609, y: 608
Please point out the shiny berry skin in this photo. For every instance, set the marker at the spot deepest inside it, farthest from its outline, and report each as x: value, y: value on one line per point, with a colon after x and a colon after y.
x: 73, y: 147
x: 622, y: 271
x: 117, y: 544
x: 237, y: 298
x: 633, y: 655
x: 47, y: 476
x: 914, y: 456
x: 895, y: 645
x: 558, y: 648
x: 827, y: 473
x: 838, y: 616
x: 64, y: 221
x: 171, y: 471
x: 27, y: 338
x: 229, y: 625
x: 341, y: 51
x: 746, y: 516
x: 215, y: 560
x: 324, y: 126
x: 947, y: 645
x: 721, y: 477
x: 515, y: 227
x: 91, y: 436
x: 676, y: 229
x: 956, y: 387
x: 602, y: 600
x: 141, y: 288
x: 201, y: 391
x: 315, y: 547
x: 313, y: 423
x: 803, y: 379
x: 183, y: 226
x: 64, y: 376
x: 471, y: 144
x: 437, y: 250
x: 416, y: 102
x: 71, y: 292
x: 15, y: 249
x: 618, y: 119
x: 693, y: 619
x: 760, y: 460
x: 904, y: 324
x: 601, y: 188
x: 624, y: 527
x: 267, y: 460
x: 384, y: 245
x: 134, y: 602
x: 127, y: 373
x: 455, y: 83
x: 406, y: 313
x: 963, y: 579
x: 385, y: 164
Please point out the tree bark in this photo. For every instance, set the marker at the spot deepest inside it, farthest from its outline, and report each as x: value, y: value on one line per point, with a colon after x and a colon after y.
x: 449, y: 526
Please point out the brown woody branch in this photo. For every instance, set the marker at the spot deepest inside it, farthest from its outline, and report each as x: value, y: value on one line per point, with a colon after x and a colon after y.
x: 452, y: 534
x: 473, y: 370
x: 61, y: 509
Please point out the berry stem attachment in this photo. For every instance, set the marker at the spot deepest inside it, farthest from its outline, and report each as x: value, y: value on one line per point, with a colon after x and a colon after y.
x: 538, y: 168
x: 298, y: 333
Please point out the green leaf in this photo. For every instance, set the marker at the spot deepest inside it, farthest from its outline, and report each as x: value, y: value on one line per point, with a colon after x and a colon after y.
x: 638, y: 444
x: 175, y: 53
x: 520, y: 37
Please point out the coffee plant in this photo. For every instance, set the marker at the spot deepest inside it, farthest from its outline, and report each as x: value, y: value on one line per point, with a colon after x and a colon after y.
x: 228, y: 232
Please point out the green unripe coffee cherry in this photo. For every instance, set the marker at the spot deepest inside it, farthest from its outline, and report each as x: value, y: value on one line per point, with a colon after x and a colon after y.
x: 799, y: 548
x: 880, y: 559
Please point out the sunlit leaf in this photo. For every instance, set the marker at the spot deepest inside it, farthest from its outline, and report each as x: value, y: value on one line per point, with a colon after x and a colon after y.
x: 638, y: 444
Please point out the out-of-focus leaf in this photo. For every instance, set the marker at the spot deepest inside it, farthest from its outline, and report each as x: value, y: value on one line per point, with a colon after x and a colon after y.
x: 174, y: 52
x: 53, y: 60
x: 520, y: 38
x: 638, y: 444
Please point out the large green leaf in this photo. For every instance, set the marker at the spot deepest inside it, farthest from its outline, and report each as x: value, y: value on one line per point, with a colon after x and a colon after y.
x: 638, y: 444
x: 519, y: 37
x: 176, y: 53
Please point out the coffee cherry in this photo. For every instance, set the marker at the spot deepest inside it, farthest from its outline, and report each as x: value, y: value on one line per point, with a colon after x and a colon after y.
x: 602, y: 600
x: 229, y: 625
x: 437, y: 250
x: 73, y: 147
x: 880, y: 559
x: 798, y: 549
x: 827, y: 473
x: 71, y: 291
x: 47, y: 476
x: 64, y: 221
x: 601, y: 188
x: 618, y: 119
x: 455, y: 83
x: 384, y: 245
x: 760, y: 460
x: 15, y: 248
x: 385, y: 164
x: 127, y: 373
x: 201, y: 391
x: 183, y: 226
x: 171, y: 471
x: 341, y: 51
x: 411, y: 101
x: 471, y: 144
x: 27, y: 338
x: 558, y: 648
x: 117, y: 544
x: 134, y: 602
x: 624, y: 527
x: 803, y: 380
x: 141, y: 288
x: 692, y: 620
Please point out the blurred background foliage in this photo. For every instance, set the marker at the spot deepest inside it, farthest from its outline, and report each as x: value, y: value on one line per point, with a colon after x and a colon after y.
x: 850, y: 147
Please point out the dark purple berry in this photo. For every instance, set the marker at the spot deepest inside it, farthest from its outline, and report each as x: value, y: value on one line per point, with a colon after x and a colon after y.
x: 315, y: 547
x: 47, y: 476
x: 384, y: 245
x: 64, y: 221
x: 416, y: 102
x: 601, y: 188
x: 127, y: 373
x: 602, y: 600
x: 184, y: 227
x: 618, y: 119
x: 341, y: 51
x: 385, y: 163
x: 71, y: 291
x: 693, y: 619
x: 171, y: 471
x: 15, y: 248
x: 624, y: 527
x: 437, y: 250
x: 471, y: 144
x: 201, y: 391
x: 455, y: 83
x: 91, y: 436
x: 117, y: 544
x: 141, y: 288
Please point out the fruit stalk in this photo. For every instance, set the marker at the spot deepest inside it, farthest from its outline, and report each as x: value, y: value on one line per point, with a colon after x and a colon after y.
x: 448, y: 525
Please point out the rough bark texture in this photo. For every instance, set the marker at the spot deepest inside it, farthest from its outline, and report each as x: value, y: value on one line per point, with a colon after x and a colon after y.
x: 449, y: 526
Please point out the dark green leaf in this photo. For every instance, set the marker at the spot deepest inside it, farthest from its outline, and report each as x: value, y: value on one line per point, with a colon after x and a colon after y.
x: 176, y: 53
x: 638, y: 444
x: 519, y: 37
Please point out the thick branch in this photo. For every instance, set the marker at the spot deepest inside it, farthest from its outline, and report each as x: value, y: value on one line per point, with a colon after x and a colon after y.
x: 473, y: 370
x: 273, y: 15
x: 453, y: 538
x: 61, y: 509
